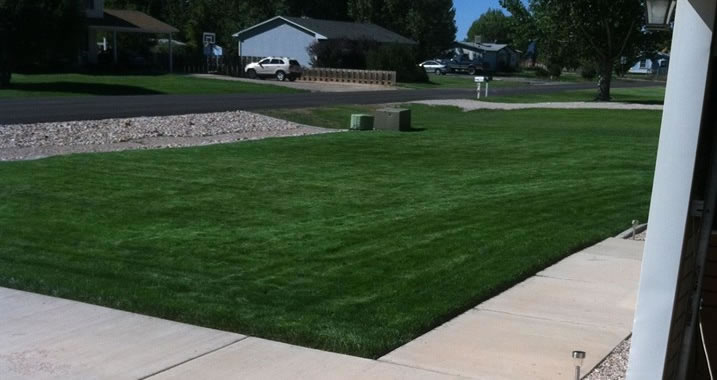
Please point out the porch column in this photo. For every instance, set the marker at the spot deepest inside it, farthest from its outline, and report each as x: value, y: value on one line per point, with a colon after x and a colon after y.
x: 672, y: 189
x: 114, y: 47
x: 92, y: 46
x: 171, y: 58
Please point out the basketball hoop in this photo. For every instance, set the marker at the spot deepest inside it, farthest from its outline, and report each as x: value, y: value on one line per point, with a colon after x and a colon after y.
x: 209, y: 39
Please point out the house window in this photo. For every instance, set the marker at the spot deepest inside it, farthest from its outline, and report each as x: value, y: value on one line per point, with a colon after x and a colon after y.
x: 643, y: 64
x: 90, y: 4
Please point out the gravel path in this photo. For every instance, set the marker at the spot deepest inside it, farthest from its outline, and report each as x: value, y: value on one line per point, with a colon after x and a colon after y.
x: 472, y: 105
x: 31, y: 141
x: 615, y: 365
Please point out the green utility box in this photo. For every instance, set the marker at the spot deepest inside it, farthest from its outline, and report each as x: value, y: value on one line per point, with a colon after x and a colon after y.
x: 361, y: 122
x: 393, y: 119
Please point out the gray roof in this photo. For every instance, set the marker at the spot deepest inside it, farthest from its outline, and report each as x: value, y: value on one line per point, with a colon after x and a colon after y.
x: 326, y: 29
x: 131, y: 21
x: 483, y: 46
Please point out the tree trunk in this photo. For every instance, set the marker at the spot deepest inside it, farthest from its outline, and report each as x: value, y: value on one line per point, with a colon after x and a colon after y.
x: 5, y: 72
x: 5, y: 76
x: 606, y: 69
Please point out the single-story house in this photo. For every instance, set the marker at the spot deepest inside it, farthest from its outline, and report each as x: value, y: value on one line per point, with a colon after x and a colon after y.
x: 100, y: 19
x: 653, y: 65
x: 496, y: 57
x: 291, y: 36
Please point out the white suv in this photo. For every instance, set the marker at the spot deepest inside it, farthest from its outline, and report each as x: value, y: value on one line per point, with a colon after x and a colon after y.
x: 281, y: 68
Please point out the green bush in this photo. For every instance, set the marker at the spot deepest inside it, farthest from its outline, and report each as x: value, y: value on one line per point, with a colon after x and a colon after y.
x: 341, y: 53
x: 398, y: 58
x: 588, y: 70
x: 368, y: 55
x: 541, y: 72
x: 555, y: 70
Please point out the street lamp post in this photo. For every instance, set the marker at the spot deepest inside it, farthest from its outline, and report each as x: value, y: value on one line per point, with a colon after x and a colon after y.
x: 659, y: 14
x: 578, y: 358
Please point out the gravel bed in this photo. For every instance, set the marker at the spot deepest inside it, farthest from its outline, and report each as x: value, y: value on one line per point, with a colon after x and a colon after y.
x: 30, y: 141
x: 641, y: 236
x: 614, y: 367
x: 472, y: 105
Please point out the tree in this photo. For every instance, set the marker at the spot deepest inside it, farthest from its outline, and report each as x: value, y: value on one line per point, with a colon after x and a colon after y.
x: 430, y: 22
x: 39, y: 33
x: 601, y: 31
x: 522, y: 28
x: 607, y: 30
x: 492, y: 26
x: 537, y: 23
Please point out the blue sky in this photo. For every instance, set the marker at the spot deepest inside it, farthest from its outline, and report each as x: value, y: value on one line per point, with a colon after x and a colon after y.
x: 468, y: 11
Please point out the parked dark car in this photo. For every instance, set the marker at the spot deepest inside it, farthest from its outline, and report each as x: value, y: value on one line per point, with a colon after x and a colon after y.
x: 463, y: 64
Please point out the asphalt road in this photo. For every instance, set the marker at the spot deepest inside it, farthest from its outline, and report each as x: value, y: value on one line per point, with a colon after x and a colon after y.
x: 38, y: 110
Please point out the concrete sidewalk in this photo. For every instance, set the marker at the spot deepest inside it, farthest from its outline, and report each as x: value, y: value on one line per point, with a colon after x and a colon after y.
x: 51, y: 338
x: 584, y: 302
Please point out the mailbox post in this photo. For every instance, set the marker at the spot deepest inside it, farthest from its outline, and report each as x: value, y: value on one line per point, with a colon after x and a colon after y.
x: 479, y: 82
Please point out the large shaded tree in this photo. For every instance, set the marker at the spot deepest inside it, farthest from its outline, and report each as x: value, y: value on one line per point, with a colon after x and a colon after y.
x: 430, y: 22
x: 492, y: 26
x: 601, y: 31
x: 39, y: 33
x: 607, y: 28
x: 536, y: 22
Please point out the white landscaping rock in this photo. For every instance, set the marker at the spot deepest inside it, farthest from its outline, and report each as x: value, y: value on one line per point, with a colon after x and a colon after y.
x: 27, y: 141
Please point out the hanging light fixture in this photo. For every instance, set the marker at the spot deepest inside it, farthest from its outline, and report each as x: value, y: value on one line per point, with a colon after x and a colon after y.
x: 660, y: 14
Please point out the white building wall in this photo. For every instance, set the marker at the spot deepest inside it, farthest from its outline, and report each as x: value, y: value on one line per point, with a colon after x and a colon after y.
x: 282, y: 40
x: 670, y: 204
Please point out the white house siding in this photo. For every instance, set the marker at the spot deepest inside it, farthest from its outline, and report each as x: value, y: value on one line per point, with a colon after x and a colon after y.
x: 648, y: 66
x: 279, y: 40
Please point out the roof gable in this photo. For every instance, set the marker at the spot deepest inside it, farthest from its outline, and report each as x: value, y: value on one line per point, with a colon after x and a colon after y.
x: 130, y: 21
x: 483, y: 46
x: 327, y: 29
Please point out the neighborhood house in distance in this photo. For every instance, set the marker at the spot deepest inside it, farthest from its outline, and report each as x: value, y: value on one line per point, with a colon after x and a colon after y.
x: 100, y: 19
x: 291, y: 36
x: 656, y: 65
x: 495, y: 57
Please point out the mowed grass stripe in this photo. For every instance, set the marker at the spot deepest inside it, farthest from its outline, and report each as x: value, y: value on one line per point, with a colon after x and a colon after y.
x: 350, y: 242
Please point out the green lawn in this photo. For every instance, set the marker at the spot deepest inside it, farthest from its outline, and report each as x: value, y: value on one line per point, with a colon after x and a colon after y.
x: 460, y: 81
x: 643, y: 95
x: 41, y: 85
x: 350, y: 242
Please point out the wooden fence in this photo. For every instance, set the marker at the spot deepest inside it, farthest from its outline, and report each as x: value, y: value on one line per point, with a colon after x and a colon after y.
x: 234, y: 66
x: 384, y: 78
x: 231, y: 66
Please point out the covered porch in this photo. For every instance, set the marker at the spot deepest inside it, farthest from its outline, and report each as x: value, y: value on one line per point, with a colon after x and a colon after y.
x: 125, y: 21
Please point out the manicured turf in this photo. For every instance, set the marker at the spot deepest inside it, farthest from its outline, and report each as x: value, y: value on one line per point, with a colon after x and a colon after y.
x: 42, y: 85
x: 642, y: 95
x: 350, y: 242
x: 461, y: 81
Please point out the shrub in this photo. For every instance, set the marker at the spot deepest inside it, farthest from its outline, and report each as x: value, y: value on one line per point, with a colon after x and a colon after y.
x: 555, y: 70
x: 588, y: 70
x: 340, y: 54
x: 368, y: 55
x: 541, y: 72
x: 398, y: 58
